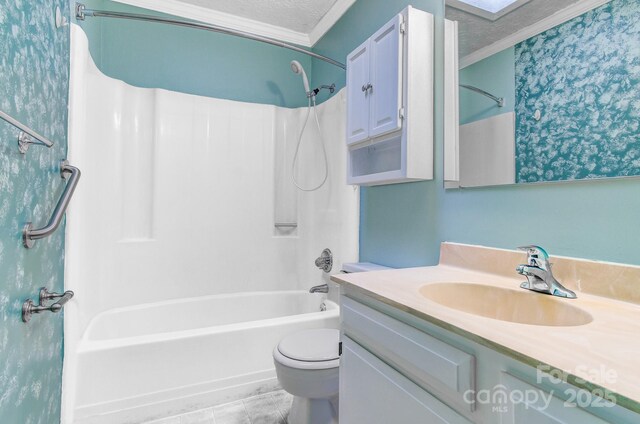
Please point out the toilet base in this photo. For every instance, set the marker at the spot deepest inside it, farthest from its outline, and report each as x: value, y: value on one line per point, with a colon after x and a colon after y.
x: 313, y: 411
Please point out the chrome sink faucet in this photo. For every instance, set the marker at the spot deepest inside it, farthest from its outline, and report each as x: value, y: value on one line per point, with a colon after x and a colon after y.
x: 539, y: 275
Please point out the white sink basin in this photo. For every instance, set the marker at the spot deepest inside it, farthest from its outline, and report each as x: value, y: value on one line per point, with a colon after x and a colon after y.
x: 513, y: 305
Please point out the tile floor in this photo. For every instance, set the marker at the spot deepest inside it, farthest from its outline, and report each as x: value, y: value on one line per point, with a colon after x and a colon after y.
x: 269, y: 408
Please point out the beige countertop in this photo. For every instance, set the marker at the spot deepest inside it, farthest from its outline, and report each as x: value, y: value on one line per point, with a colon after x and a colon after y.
x: 604, y: 353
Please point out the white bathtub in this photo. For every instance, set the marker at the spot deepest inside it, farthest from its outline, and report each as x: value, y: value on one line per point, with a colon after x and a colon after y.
x: 149, y: 361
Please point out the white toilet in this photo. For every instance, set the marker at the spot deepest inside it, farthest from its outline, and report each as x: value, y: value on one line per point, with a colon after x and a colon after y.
x: 307, y: 367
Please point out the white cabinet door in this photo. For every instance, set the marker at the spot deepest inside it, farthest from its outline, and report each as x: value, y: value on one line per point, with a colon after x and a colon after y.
x: 534, y: 406
x: 358, y: 94
x: 386, y: 79
x: 437, y: 367
x: 371, y: 392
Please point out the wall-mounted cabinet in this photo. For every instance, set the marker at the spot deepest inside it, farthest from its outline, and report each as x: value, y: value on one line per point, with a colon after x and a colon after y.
x: 390, y: 103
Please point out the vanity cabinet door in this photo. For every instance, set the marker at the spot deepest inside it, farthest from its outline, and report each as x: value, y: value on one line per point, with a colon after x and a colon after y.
x: 439, y: 368
x: 372, y: 392
x: 358, y: 94
x: 386, y: 79
x: 535, y: 406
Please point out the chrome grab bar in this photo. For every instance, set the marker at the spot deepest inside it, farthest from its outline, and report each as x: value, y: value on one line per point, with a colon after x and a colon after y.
x: 26, y: 134
x: 29, y: 308
x: 29, y: 235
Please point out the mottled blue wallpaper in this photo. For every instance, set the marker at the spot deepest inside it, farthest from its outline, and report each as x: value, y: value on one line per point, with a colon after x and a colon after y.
x: 584, y: 77
x: 34, y: 76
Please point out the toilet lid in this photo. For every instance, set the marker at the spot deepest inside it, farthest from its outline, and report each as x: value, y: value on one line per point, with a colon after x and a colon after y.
x: 311, y: 345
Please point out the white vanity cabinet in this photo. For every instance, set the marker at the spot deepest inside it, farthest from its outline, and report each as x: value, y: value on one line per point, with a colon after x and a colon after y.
x: 390, y: 103
x: 398, y: 368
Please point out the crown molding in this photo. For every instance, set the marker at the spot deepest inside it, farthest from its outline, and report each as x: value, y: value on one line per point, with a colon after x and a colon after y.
x: 329, y: 19
x: 554, y: 20
x: 227, y: 20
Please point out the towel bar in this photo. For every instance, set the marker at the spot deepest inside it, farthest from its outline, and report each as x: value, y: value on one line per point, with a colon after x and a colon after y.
x: 26, y: 136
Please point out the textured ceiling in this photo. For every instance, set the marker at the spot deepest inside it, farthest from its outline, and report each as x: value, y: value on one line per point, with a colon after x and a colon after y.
x: 476, y: 32
x: 297, y: 15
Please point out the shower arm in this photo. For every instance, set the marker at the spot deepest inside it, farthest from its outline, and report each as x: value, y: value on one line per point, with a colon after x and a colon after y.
x: 82, y: 12
x: 498, y: 100
x: 315, y: 91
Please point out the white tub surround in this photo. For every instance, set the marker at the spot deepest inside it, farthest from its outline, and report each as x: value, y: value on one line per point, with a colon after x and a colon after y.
x: 178, y: 201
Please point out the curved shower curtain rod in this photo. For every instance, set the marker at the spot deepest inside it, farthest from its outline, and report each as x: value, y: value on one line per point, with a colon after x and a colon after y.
x: 499, y: 100
x: 82, y: 12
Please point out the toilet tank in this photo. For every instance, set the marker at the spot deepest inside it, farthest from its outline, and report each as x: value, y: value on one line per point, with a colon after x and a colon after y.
x: 362, y: 267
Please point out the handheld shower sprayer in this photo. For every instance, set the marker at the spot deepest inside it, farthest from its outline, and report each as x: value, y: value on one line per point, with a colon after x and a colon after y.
x: 297, y: 68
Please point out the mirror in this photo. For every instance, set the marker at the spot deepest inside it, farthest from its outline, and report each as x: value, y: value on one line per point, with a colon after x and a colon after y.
x: 547, y: 90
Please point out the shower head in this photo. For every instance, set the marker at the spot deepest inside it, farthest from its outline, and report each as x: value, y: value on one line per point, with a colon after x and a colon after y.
x: 297, y: 68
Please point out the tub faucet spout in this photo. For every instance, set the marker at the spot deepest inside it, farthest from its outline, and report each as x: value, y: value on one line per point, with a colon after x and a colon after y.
x: 322, y: 288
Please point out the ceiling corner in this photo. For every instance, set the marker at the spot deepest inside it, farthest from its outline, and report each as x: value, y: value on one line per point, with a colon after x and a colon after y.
x: 329, y: 20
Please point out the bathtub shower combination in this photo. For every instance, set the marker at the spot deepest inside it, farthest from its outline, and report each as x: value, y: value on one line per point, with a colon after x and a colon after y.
x: 188, y: 353
x: 189, y: 248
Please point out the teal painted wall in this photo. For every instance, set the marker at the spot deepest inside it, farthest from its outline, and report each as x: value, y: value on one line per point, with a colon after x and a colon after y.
x: 34, y: 76
x: 403, y: 225
x: 191, y: 61
x: 495, y: 74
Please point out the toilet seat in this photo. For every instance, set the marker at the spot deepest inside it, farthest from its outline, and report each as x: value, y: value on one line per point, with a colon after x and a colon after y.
x: 309, y: 349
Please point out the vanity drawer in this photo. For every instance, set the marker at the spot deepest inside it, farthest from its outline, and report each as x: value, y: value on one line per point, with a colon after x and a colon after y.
x: 438, y: 367
x: 374, y: 393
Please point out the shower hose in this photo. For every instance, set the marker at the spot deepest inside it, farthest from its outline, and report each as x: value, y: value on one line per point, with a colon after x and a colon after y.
x: 312, y: 103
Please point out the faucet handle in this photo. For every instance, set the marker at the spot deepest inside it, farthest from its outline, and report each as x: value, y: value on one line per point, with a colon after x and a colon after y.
x: 325, y: 261
x: 535, y: 250
x: 537, y: 256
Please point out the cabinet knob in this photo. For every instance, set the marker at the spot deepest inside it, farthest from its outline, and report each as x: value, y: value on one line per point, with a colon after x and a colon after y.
x: 366, y: 87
